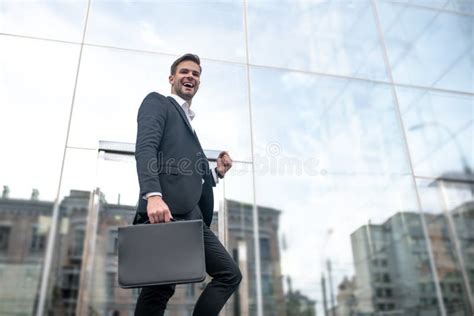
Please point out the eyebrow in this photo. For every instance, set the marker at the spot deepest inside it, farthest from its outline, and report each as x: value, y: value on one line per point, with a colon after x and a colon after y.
x: 186, y: 69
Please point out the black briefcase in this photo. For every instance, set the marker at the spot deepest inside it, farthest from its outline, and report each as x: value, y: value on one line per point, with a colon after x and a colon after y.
x: 164, y: 253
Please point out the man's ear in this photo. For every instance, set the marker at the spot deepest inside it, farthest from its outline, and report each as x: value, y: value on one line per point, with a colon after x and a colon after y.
x: 170, y: 79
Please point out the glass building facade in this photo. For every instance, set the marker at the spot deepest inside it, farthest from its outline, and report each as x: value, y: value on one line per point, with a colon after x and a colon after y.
x: 351, y: 124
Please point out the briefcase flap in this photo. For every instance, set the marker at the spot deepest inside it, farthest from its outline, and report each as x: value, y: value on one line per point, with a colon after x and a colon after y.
x: 164, y: 253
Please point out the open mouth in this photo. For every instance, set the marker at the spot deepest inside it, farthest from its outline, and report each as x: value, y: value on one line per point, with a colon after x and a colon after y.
x: 188, y: 85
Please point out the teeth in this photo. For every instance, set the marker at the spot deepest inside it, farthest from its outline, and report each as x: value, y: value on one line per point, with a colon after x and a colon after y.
x: 187, y: 84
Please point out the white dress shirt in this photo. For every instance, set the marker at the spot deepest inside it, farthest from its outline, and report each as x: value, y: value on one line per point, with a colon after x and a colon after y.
x: 190, y: 115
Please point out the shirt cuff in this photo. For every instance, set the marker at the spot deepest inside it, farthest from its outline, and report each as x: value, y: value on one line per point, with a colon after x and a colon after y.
x: 146, y: 196
x: 214, y: 175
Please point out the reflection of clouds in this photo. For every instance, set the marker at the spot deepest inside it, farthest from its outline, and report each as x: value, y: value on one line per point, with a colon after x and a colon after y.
x: 36, y: 82
x: 238, y: 184
x: 125, y: 186
x: 275, y: 162
x: 116, y: 179
x: 427, y: 47
x: 110, y: 92
x: 332, y: 37
x: 177, y: 27
x: 149, y: 36
x: 226, y: 133
x: 80, y: 171
x: 352, y: 127
x: 49, y: 19
x: 222, y: 120
x: 439, y: 129
x: 291, y: 80
x: 108, y: 96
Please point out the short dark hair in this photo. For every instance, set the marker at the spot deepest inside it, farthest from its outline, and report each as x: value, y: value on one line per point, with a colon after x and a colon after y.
x: 191, y: 57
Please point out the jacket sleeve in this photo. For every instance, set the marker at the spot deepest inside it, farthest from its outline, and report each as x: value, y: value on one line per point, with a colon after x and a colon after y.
x: 151, y: 122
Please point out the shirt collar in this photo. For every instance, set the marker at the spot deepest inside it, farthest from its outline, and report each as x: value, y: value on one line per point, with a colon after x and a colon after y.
x: 184, y: 105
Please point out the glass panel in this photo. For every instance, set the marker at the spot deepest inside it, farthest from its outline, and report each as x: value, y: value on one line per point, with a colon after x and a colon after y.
x: 63, y: 20
x: 449, y: 213
x: 337, y: 37
x: 78, y: 182
x: 427, y: 47
x: 97, y: 196
x: 76, y: 233
x: 36, y: 81
x: 332, y: 159
x: 440, y: 129
x: 24, y: 227
x: 222, y: 118
x: 214, y: 29
x: 346, y: 125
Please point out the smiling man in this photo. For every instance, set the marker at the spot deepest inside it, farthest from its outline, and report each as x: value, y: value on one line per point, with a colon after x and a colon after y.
x: 176, y: 182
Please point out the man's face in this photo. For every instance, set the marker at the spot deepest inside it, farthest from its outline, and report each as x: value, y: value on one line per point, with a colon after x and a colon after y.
x: 185, y: 82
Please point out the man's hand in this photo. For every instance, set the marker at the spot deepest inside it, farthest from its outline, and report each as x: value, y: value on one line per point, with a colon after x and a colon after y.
x: 224, y: 163
x: 157, y: 210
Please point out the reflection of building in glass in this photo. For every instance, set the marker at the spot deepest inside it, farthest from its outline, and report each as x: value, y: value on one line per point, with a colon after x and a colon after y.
x: 68, y: 252
x: 386, y: 267
x: 23, y: 229
x: 463, y: 220
x: 103, y: 296
x: 392, y: 269
x: 240, y: 232
x: 346, y: 300
x: 453, y: 289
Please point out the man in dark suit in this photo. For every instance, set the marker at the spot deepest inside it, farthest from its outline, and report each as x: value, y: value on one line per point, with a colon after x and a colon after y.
x: 176, y: 182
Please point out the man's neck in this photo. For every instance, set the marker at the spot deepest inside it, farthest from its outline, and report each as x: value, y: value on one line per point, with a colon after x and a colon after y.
x: 187, y: 101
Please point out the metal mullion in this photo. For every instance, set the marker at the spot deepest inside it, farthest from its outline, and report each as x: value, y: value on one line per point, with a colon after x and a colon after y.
x: 39, y: 38
x: 256, y: 232
x: 47, y: 266
x: 419, y: 6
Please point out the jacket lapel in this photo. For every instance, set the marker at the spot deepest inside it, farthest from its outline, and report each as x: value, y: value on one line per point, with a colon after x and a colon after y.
x: 185, y: 119
x: 181, y: 112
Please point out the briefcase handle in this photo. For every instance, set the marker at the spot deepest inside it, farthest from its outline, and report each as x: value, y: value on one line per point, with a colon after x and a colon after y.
x: 171, y: 220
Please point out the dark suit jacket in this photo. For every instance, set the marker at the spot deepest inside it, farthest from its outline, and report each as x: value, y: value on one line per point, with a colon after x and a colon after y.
x: 170, y: 159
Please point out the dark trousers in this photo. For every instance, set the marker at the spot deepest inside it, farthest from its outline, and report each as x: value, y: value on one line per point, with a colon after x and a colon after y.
x: 220, y: 266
